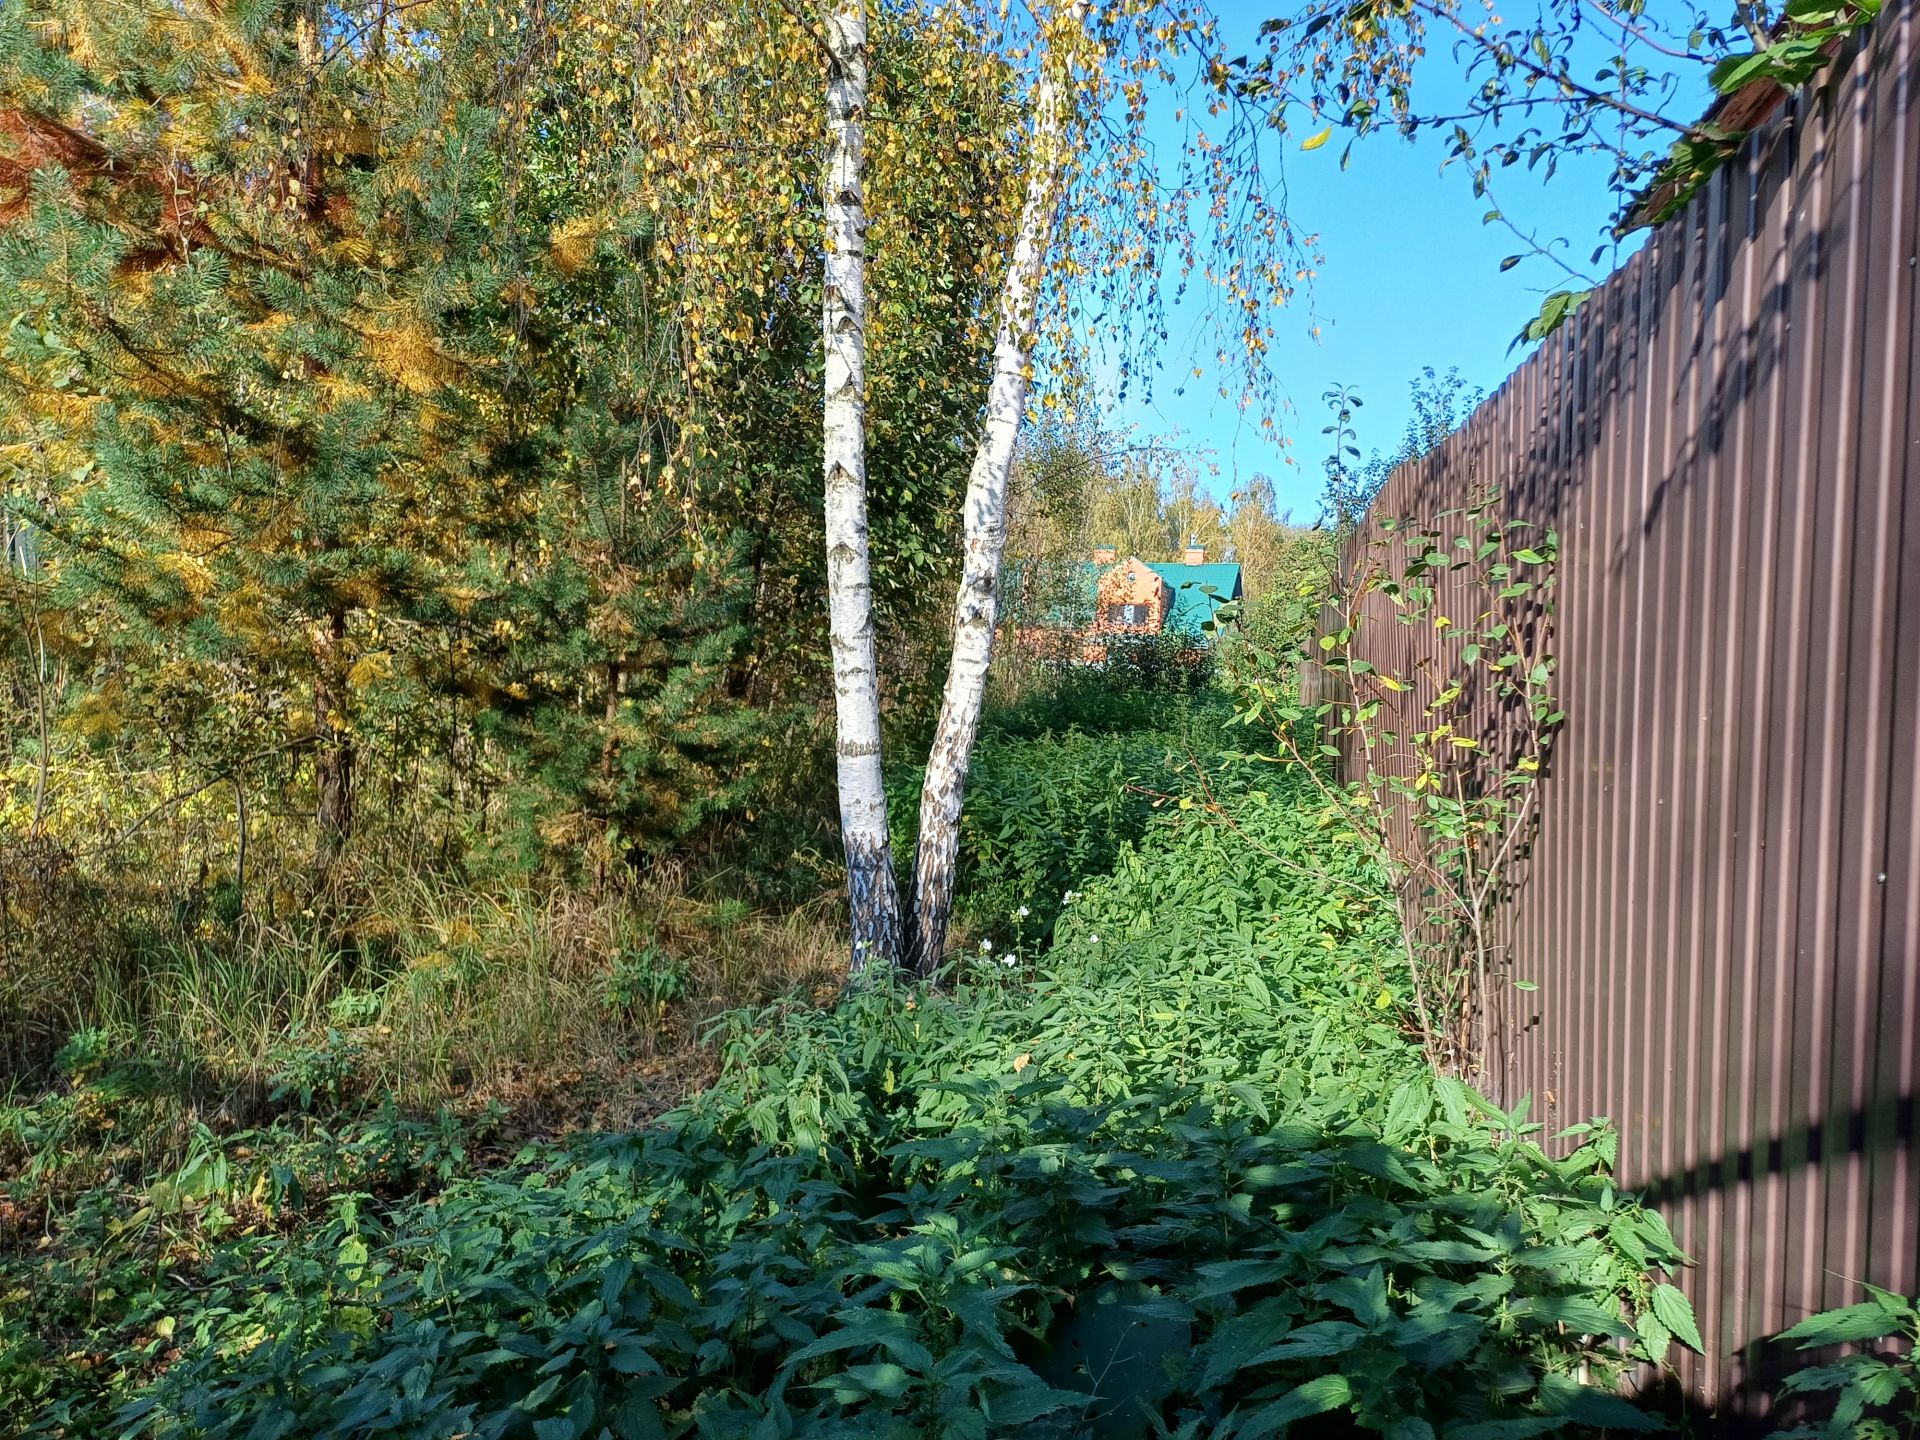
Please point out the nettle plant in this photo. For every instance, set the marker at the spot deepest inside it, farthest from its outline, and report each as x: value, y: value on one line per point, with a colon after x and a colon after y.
x: 1431, y: 686
x: 1871, y: 1394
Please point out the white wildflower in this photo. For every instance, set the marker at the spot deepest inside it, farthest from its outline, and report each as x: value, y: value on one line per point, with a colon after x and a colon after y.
x: 1093, y: 939
x: 1023, y: 912
x: 1009, y: 960
x: 985, y: 946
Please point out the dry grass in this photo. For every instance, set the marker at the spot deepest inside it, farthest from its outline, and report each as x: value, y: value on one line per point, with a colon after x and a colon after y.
x: 570, y: 1008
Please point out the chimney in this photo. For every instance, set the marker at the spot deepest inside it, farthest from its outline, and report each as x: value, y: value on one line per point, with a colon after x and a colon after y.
x: 1196, y: 552
x: 1104, y: 555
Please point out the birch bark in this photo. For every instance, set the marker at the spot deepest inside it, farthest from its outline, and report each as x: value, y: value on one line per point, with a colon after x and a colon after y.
x: 872, y: 894
x: 977, y: 607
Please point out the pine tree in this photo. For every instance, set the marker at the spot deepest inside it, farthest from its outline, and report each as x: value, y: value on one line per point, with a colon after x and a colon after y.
x: 396, y: 385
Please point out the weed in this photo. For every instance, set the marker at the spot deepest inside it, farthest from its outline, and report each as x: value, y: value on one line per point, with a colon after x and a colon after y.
x: 1872, y: 1393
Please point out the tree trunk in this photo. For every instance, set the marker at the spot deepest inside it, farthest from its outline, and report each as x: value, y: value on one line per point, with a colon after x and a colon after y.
x: 333, y: 749
x: 872, y: 894
x: 976, y: 609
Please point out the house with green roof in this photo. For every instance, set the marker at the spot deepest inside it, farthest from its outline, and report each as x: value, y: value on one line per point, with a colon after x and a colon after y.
x: 1131, y: 596
x: 1199, y: 588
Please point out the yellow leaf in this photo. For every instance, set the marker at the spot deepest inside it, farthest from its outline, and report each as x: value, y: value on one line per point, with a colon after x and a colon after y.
x: 1386, y: 999
x: 374, y: 666
x: 1020, y: 1062
x: 1314, y: 142
x: 573, y: 242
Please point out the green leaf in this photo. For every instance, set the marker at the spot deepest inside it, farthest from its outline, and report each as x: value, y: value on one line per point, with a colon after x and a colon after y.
x: 1576, y: 1312
x: 1316, y: 1397
x: 1897, y: 1307
x: 1594, y: 1409
x: 1736, y: 70
x: 1819, y: 1377
x: 1673, y: 1310
x: 1028, y: 1403
x: 1452, y: 1252
x: 630, y: 1357
x: 1311, y: 1342
x: 1868, y: 1321
x: 1655, y: 1338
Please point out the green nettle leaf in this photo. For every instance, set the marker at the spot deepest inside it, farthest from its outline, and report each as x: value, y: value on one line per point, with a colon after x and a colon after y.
x: 1594, y: 1409
x: 1579, y: 1313
x: 1328, y: 1337
x: 1866, y: 1321
x: 1655, y: 1338
x: 1815, y: 1378
x: 1316, y: 1397
x: 1672, y: 1308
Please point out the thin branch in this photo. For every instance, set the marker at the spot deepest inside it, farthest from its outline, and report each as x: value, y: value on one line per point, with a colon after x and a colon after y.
x: 1640, y: 36
x: 229, y: 773
x: 1501, y: 52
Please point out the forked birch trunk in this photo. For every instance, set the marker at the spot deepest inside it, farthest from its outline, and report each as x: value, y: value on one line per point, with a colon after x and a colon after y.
x: 977, y: 608
x: 872, y: 894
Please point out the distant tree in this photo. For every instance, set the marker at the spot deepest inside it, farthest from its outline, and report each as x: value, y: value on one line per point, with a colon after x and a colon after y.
x: 1441, y: 405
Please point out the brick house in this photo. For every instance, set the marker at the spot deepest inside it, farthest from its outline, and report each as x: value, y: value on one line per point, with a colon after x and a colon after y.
x: 1131, y: 596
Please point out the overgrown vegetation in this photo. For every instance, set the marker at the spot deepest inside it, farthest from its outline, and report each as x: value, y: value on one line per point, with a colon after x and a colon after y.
x: 1182, y: 1169
x: 1443, y: 756
x: 421, y: 972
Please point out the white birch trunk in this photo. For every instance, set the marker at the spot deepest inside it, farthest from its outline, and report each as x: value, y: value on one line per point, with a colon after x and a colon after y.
x: 872, y: 895
x: 977, y: 608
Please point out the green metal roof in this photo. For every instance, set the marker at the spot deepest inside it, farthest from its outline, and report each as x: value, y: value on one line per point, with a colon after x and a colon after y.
x: 1198, y: 590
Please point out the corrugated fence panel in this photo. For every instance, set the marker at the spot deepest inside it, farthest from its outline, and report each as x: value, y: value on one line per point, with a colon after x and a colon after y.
x: 1720, y: 904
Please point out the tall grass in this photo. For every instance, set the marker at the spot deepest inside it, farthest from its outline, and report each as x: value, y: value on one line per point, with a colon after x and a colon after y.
x: 428, y: 991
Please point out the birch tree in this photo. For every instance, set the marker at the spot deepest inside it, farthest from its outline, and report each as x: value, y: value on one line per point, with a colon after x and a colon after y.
x: 1083, y: 66
x: 872, y: 893
x: 977, y: 606
x: 1219, y: 210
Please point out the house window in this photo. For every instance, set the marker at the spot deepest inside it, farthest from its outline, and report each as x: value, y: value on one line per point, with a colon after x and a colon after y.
x: 1130, y: 614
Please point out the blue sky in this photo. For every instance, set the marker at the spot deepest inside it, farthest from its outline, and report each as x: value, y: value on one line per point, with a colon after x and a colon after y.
x: 1411, y: 278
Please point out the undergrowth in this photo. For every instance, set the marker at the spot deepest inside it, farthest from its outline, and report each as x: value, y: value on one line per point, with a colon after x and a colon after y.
x: 1050, y: 804
x: 1181, y: 1173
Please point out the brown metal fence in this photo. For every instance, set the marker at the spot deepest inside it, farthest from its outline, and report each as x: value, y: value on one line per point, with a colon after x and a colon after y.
x: 1721, y: 901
